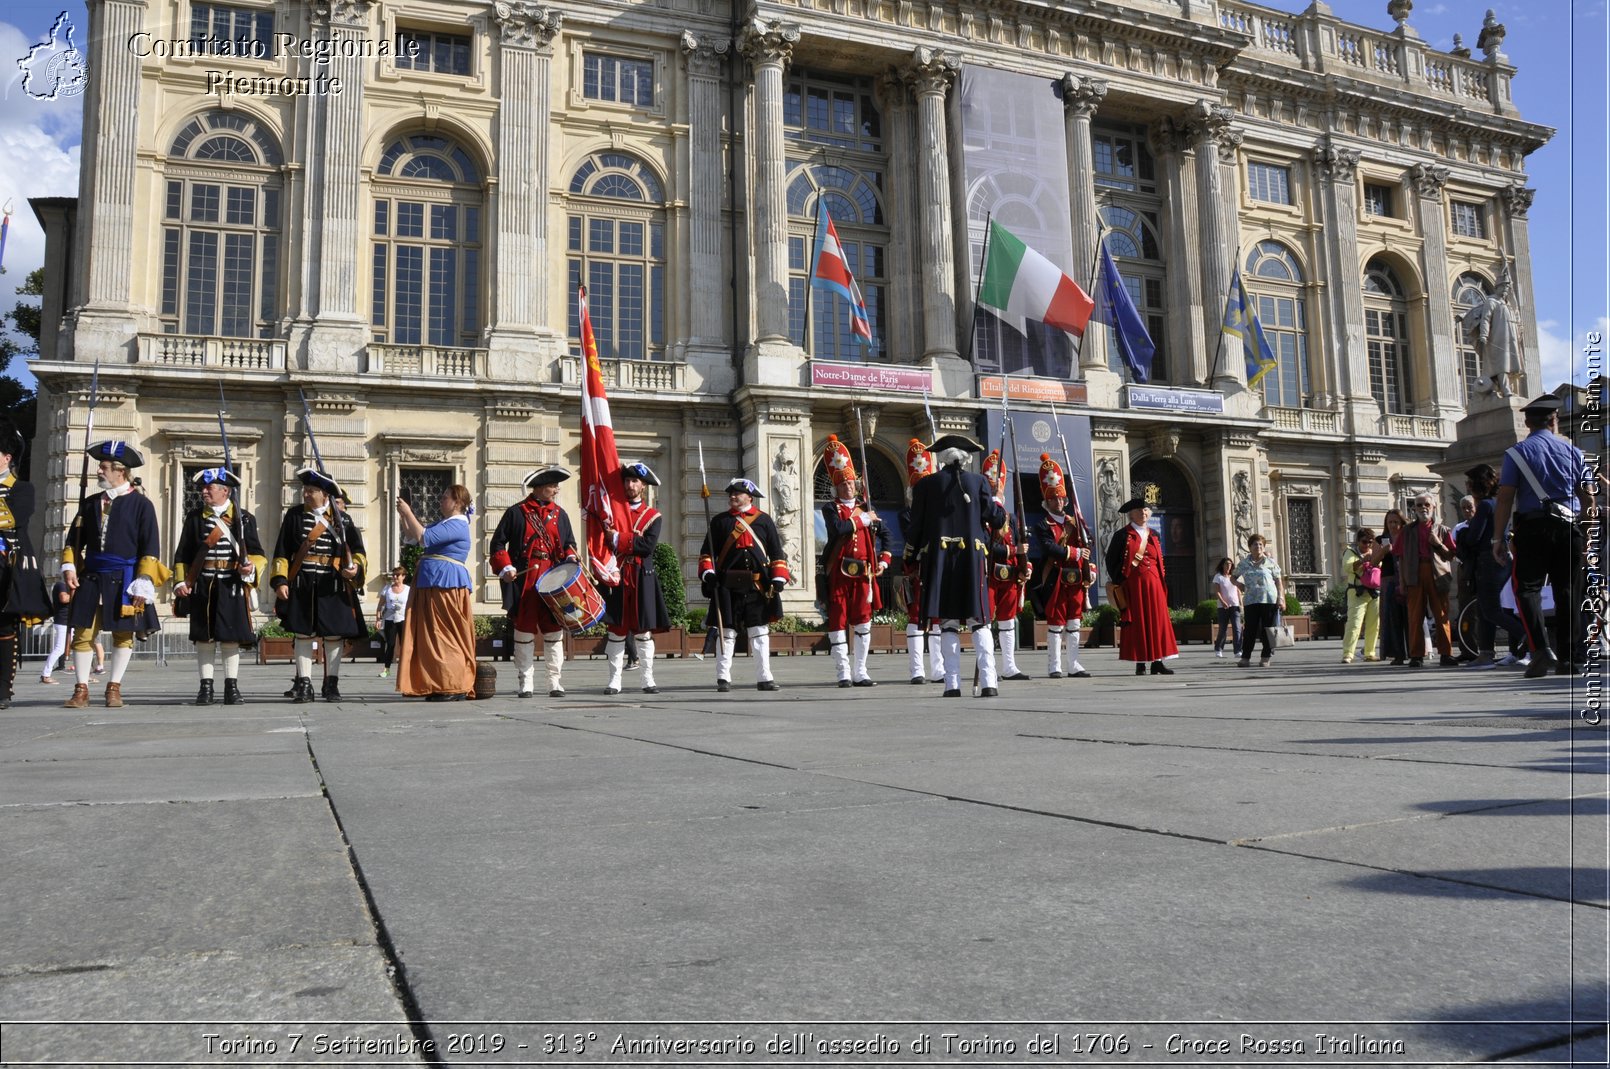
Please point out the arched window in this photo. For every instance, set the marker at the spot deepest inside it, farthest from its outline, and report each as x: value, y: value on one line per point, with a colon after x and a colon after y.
x: 426, y: 256
x: 221, y: 229
x: 617, y: 228
x: 1277, y: 285
x: 1131, y: 238
x: 1386, y: 334
x: 854, y: 205
x: 1469, y: 290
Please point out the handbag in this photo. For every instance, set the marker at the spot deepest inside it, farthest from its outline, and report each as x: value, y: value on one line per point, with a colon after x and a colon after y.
x: 1280, y: 635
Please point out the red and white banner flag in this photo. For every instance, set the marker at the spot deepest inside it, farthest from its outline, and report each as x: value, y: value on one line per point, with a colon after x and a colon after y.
x: 603, y: 494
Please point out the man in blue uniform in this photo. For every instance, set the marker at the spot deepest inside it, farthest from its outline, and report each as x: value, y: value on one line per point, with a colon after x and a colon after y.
x: 22, y: 590
x: 1544, y: 481
x: 318, y: 571
x: 217, y: 563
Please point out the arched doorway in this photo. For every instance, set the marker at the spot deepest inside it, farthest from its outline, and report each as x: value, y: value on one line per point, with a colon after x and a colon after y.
x: 1174, y: 519
x: 888, y: 487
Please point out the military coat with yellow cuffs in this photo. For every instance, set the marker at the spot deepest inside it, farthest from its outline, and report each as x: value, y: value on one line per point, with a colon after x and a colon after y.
x: 213, y: 547
x: 742, y: 565
x: 313, y: 548
x: 22, y: 588
x: 113, y: 542
x: 952, y: 514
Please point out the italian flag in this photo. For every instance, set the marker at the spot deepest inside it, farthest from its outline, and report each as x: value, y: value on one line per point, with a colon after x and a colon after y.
x: 1021, y: 284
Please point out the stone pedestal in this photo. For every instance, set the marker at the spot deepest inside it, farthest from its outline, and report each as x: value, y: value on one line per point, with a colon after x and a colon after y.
x: 1481, y: 437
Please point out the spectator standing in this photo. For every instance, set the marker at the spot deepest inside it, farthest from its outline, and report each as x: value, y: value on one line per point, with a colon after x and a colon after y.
x: 1426, y: 578
x: 437, y: 657
x: 1388, y: 554
x: 1489, y: 577
x: 1264, y: 593
x: 389, y: 616
x: 61, y: 603
x: 1363, y: 598
x: 1229, y: 611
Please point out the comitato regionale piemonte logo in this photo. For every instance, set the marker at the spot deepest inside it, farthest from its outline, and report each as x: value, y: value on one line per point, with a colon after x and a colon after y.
x: 54, y: 68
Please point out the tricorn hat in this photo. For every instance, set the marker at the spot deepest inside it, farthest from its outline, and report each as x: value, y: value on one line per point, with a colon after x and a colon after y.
x: 642, y: 471
x: 546, y: 476
x: 117, y: 452
x: 836, y: 458
x: 954, y: 441
x: 220, y: 474
x: 1052, y: 481
x: 11, y: 440
x: 741, y: 485
x: 318, y: 480
x: 919, y: 462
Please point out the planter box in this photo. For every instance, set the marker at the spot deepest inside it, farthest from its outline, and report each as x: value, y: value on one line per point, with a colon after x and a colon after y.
x: 1302, y: 627
x: 1184, y: 633
x: 275, y: 650
x: 494, y: 649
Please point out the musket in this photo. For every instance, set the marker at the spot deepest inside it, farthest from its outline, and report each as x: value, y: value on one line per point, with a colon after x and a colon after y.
x: 866, y: 497
x: 704, y: 492
x: 234, y: 493
x: 318, y: 462
x: 1073, y: 486
x: 89, y: 431
x: 933, y: 428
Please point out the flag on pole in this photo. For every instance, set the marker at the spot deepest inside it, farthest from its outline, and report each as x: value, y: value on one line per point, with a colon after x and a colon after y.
x: 1019, y: 283
x: 1241, y: 321
x: 603, y: 493
x: 5, y: 228
x: 830, y: 272
x: 1119, y: 312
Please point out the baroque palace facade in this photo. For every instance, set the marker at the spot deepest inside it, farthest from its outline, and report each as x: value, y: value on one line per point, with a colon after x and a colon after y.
x: 388, y: 204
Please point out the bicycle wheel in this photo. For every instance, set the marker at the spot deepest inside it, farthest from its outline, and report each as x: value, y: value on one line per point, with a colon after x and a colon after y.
x: 1465, y: 627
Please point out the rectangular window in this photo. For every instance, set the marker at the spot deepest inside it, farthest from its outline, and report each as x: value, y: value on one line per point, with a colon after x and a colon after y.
x: 170, y: 271
x: 235, y: 307
x: 1302, y: 535
x: 240, y: 206
x: 203, y: 203
x: 632, y: 308
x: 223, y: 29
x: 426, y: 486
x: 438, y: 53
x: 601, y: 306
x: 175, y: 200
x: 200, y: 296
x: 443, y: 302
x: 408, y: 302
x: 1269, y: 183
x: 1378, y: 200
x: 378, y: 293
x: 1467, y: 220
x: 382, y: 218
x: 615, y: 79
x: 410, y: 220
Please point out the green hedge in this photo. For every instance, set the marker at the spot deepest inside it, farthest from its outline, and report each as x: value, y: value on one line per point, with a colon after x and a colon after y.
x: 671, y: 584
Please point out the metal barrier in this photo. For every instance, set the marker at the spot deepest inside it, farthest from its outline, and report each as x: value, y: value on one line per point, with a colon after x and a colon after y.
x: 159, y: 646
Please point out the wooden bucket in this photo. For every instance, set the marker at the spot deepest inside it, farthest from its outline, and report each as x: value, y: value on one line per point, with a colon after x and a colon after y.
x: 486, y: 680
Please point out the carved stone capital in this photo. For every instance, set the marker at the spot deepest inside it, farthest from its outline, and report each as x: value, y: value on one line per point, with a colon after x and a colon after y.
x: 931, y: 70
x: 1165, y: 441
x: 1518, y: 199
x: 768, y: 42
x: 1082, y: 96
x: 1335, y: 163
x: 523, y: 24
x: 1428, y: 179
x: 1165, y: 137
x: 704, y: 55
x: 890, y: 90
x: 1209, y: 125
x: 328, y: 13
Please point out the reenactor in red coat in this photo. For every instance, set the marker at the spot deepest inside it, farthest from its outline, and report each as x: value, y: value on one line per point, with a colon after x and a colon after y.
x: 742, y: 570
x: 919, y: 465
x: 636, y: 605
x: 532, y: 537
x: 856, y: 554
x: 1135, y: 567
x: 1067, y: 572
x: 1009, y: 570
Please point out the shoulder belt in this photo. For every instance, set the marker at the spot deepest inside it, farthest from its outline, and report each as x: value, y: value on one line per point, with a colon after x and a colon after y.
x: 307, y: 546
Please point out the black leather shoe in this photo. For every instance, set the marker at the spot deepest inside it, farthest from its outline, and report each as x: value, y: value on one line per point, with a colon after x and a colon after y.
x: 1542, y: 664
x: 556, y: 692
x: 951, y: 694
x: 989, y: 692
x: 1140, y: 669
x: 612, y: 690
x: 1016, y: 676
x: 1397, y: 662
x: 232, y: 692
x: 767, y: 684
x: 332, y: 689
x: 436, y: 697
x: 292, y: 692
x: 866, y: 683
x: 302, y: 691
x: 1566, y: 668
x: 918, y: 681
x: 844, y: 684
x: 651, y: 690
x: 204, y: 695
x: 1053, y: 675
x: 1416, y: 662
x: 1081, y: 674
x: 722, y: 686
x: 1161, y: 669
x: 1448, y: 662
x: 523, y: 694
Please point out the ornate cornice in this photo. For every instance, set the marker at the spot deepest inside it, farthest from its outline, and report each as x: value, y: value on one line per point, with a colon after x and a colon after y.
x: 765, y: 42
x: 1428, y: 179
x: 349, y: 13
x: 704, y: 55
x: 931, y: 70
x: 1517, y: 199
x: 523, y: 24
x: 1209, y: 125
x: 1106, y: 430
x: 1335, y: 163
x: 1082, y: 96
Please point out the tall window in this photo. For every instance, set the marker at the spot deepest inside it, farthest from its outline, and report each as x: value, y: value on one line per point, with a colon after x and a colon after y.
x: 833, y: 112
x: 438, y: 53
x: 1378, y: 200
x: 615, y: 78
x: 1131, y: 238
x: 1386, y: 333
x: 425, y: 287
x: 1121, y: 160
x: 1469, y: 290
x: 617, y: 229
x: 857, y: 213
x: 1278, y: 289
x: 1269, y: 182
x: 1466, y: 219
x: 216, y: 29
x: 221, y: 229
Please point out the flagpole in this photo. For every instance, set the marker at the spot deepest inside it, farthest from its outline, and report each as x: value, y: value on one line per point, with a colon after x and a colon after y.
x: 983, y: 260
x: 816, y: 254
x: 1095, y: 265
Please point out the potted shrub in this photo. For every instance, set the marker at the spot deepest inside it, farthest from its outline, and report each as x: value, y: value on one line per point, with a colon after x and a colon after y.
x: 1330, y: 613
x: 1104, y: 625
x: 275, y: 645
x: 888, y: 632
x: 669, y: 569
x: 492, y: 637
x: 1301, y: 625
x: 1195, y: 625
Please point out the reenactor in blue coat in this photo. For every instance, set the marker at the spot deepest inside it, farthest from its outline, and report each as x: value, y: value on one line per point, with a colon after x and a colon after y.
x: 215, y: 568
x: 318, y: 570
x: 23, y: 599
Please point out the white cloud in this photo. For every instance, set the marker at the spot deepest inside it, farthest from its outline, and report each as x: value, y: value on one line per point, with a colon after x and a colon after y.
x: 1562, y: 355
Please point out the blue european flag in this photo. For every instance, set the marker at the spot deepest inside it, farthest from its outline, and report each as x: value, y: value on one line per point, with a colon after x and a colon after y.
x: 1118, y: 311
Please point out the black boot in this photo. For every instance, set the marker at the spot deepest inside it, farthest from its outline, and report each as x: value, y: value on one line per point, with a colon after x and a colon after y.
x: 8, y: 668
x: 332, y: 689
x: 232, y: 692
x: 302, y: 690
x: 204, y: 695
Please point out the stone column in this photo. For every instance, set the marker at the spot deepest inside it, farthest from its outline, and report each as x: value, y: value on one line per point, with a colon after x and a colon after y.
x: 1181, y: 224
x: 1443, y: 399
x: 104, y: 327
x: 706, y: 280
x: 1216, y: 143
x: 1346, y: 369
x: 339, y: 333
x: 901, y: 312
x: 1517, y: 201
x: 520, y: 198
x: 1080, y: 99
x: 930, y: 74
x: 769, y: 46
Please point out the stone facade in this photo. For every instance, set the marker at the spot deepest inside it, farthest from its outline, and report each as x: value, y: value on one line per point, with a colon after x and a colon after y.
x: 404, y: 250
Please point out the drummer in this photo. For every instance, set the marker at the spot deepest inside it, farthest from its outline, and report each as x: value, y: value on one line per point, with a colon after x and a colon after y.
x: 531, y: 538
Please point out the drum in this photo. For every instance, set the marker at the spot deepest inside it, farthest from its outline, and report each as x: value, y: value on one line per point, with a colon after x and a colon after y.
x: 570, y: 596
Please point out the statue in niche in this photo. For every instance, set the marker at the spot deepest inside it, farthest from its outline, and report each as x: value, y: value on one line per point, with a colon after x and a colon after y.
x: 1110, y: 492
x: 1489, y: 327
x: 1241, y: 508
x: 785, y: 504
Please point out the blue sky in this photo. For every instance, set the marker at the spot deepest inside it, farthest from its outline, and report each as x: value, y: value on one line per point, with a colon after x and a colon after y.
x: 1561, y: 83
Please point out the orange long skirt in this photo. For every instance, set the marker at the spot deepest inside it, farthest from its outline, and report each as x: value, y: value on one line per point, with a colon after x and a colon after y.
x: 436, y: 654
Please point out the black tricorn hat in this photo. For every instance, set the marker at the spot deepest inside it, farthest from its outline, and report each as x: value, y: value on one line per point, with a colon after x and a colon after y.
x: 955, y: 441
x: 318, y: 480
x: 220, y: 474
x: 642, y: 471
x: 545, y: 476
x: 117, y: 452
x: 1131, y: 505
x: 740, y: 485
x: 11, y: 440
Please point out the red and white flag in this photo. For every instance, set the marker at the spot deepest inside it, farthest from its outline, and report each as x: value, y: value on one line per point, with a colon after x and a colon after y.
x: 603, y: 493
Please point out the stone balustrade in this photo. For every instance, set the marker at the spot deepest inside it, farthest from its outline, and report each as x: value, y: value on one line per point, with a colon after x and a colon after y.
x: 437, y: 362
x: 647, y: 376
x: 1416, y: 428
x: 1308, y: 420
x: 197, y: 350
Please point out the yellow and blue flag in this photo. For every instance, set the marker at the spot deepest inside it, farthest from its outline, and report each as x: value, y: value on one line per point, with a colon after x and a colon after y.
x: 1241, y: 321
